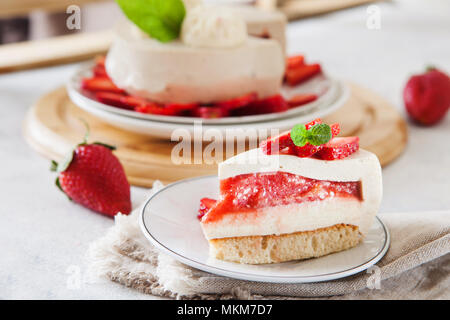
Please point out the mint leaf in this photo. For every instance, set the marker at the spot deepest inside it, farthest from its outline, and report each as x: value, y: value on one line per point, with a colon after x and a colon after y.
x: 160, y: 19
x: 299, y: 135
x: 316, y: 135
x: 319, y: 134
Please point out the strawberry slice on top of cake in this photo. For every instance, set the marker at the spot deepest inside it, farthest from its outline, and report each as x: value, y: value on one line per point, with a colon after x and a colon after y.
x: 302, y: 194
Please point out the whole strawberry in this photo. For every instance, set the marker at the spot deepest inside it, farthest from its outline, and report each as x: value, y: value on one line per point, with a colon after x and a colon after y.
x: 93, y: 177
x: 427, y: 97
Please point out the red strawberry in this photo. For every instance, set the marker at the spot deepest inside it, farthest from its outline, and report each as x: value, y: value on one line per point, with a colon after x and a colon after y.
x: 310, y: 124
x: 295, y: 61
x: 338, y: 148
x: 427, y: 97
x: 275, y: 144
x: 113, y: 99
x: 153, y: 108
x: 297, y: 75
x: 308, y: 149
x: 99, y: 68
x: 208, y: 112
x: 238, y: 102
x: 99, y: 71
x: 121, y: 100
x: 100, y: 84
x: 180, y: 108
x: 100, y: 61
x: 134, y: 102
x: 271, y: 104
x: 93, y: 177
x: 301, y: 99
x: 205, y: 205
x: 335, y: 129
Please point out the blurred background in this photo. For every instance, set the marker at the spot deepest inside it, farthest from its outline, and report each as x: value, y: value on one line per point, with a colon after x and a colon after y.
x: 22, y: 20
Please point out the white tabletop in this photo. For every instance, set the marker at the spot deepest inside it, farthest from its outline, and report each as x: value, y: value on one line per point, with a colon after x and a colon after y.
x: 44, y: 236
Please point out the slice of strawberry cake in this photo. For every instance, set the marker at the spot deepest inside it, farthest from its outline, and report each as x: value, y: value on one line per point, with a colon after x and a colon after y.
x: 300, y: 195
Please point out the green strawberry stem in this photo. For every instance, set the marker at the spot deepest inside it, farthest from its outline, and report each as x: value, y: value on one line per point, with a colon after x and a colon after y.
x: 64, y: 164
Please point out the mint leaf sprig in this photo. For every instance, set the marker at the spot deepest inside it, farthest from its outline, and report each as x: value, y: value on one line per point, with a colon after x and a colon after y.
x: 160, y: 19
x: 316, y: 135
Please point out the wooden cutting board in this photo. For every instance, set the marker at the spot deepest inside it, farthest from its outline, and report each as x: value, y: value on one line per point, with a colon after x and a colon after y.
x: 52, y: 127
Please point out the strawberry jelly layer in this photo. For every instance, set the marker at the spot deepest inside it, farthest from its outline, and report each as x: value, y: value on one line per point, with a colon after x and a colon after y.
x: 249, y: 192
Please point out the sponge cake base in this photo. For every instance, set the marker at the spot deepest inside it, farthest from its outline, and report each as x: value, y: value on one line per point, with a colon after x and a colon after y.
x: 285, y: 247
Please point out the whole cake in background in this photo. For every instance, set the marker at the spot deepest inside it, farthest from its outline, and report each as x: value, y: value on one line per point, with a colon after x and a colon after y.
x: 188, y: 59
x: 212, y: 59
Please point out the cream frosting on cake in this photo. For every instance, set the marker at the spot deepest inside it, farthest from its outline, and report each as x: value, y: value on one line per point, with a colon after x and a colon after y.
x: 175, y: 72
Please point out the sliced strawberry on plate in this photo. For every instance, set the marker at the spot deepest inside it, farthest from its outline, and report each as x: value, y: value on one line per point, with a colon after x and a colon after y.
x: 205, y: 205
x: 99, y: 68
x: 99, y: 71
x: 100, y: 84
x: 153, y: 108
x: 120, y: 100
x: 275, y: 144
x: 301, y: 99
x: 179, y: 108
x: 297, y: 75
x: 295, y: 61
x: 209, y: 112
x: 338, y: 148
x: 238, y: 102
x: 112, y: 99
x: 134, y: 102
x: 271, y: 104
x: 276, y: 103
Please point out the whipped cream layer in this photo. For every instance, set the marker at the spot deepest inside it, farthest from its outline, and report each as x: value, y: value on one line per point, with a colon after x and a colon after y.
x: 362, y: 166
x: 176, y: 73
x: 291, y: 218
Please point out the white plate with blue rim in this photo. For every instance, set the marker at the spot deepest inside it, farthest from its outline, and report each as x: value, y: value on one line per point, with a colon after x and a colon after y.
x: 169, y: 221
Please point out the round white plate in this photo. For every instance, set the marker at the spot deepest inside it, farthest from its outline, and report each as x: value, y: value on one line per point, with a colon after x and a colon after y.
x: 323, y: 86
x: 239, y: 131
x: 169, y: 221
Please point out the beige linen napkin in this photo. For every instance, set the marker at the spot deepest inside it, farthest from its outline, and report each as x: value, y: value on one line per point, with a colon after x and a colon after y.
x: 417, y: 266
